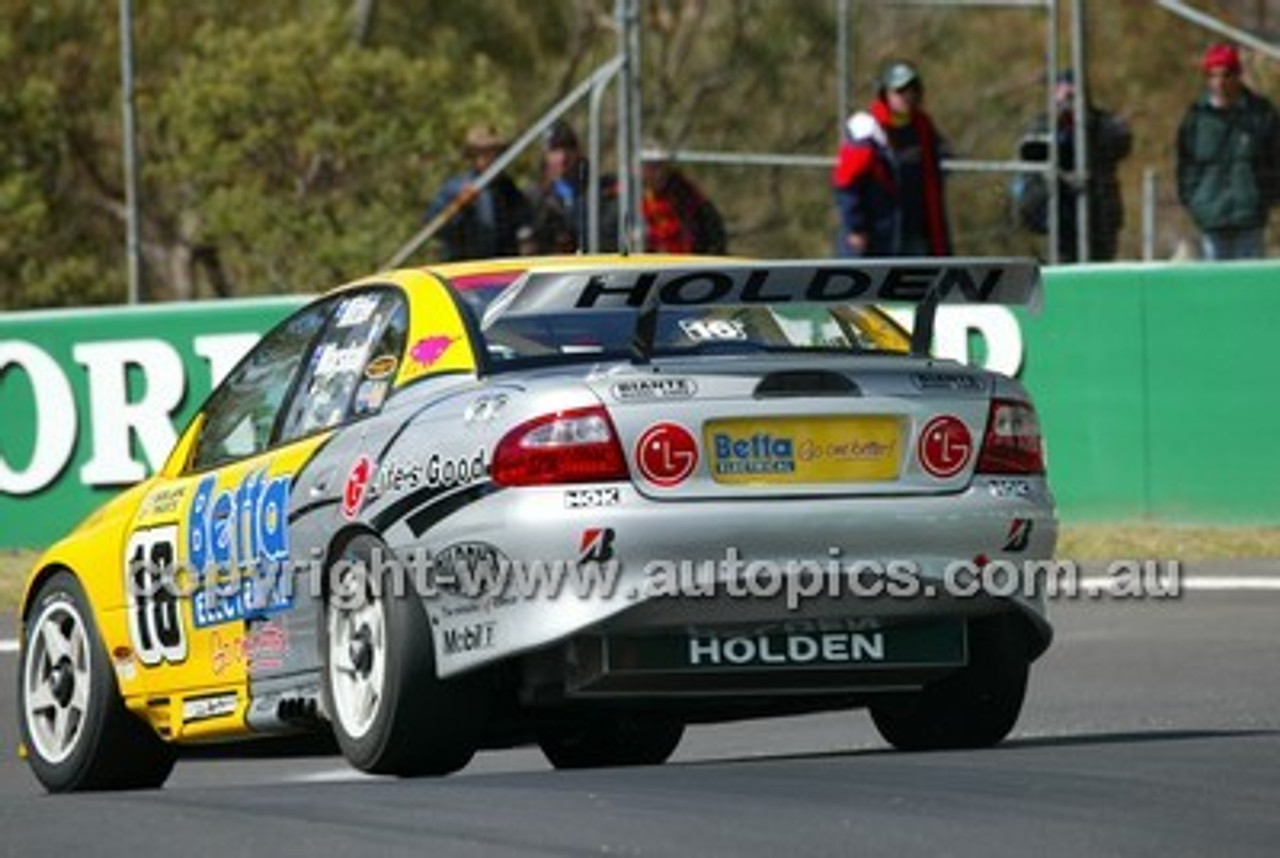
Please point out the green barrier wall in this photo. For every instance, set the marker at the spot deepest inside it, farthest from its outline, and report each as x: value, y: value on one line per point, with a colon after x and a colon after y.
x: 1152, y: 383
x: 88, y: 398
x: 1156, y: 386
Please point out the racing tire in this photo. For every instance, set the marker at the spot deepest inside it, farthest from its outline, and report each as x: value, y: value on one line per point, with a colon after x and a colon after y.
x: 612, y: 740
x: 390, y: 713
x: 76, y: 730
x: 975, y: 707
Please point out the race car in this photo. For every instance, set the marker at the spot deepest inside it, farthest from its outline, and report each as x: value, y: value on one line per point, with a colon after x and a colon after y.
x: 580, y: 502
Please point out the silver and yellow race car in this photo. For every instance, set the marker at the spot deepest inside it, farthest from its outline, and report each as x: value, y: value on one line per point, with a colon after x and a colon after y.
x: 580, y: 502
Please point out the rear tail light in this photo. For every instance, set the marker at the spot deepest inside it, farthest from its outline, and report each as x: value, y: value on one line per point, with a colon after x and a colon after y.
x: 577, y: 446
x: 1012, y: 444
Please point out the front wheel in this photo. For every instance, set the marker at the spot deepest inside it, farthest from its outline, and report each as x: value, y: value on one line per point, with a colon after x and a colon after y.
x: 391, y: 714
x: 76, y: 729
x: 975, y: 707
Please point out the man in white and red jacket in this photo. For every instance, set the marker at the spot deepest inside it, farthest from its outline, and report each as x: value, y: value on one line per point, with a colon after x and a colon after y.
x: 888, y: 174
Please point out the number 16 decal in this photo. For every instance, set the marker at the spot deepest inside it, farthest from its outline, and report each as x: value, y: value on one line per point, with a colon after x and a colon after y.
x: 155, y: 618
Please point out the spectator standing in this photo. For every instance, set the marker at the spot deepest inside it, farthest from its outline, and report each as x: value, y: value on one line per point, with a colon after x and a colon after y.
x: 678, y: 216
x: 560, y: 202
x: 1109, y: 142
x: 888, y: 175
x: 484, y: 222
x: 1228, y: 160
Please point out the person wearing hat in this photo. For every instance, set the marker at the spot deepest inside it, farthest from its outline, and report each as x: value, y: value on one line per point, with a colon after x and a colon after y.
x: 481, y: 223
x: 560, y: 200
x: 1109, y: 142
x: 1228, y: 160
x: 888, y: 175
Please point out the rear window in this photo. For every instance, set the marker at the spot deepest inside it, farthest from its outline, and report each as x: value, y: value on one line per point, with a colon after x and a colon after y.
x: 723, y: 328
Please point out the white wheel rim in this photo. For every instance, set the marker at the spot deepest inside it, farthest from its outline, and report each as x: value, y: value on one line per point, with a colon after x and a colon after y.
x: 357, y: 659
x: 56, y: 675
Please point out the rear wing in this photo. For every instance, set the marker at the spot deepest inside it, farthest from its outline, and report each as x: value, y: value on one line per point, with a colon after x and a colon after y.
x: 645, y: 289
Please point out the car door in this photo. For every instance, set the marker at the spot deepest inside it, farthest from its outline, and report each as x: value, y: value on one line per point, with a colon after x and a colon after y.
x: 224, y: 522
x: 220, y: 522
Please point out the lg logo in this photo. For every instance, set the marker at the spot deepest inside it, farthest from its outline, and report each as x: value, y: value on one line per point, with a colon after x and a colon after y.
x: 666, y: 454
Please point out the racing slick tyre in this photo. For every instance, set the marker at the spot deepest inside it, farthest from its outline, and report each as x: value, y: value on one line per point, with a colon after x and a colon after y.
x: 607, y: 739
x: 391, y: 714
x: 76, y: 730
x: 975, y: 707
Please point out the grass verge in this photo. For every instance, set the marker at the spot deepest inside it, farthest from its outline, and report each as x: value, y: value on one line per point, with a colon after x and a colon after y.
x: 1152, y: 541
x: 14, y: 566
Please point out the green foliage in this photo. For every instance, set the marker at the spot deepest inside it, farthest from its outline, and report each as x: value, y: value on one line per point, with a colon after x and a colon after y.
x: 297, y: 153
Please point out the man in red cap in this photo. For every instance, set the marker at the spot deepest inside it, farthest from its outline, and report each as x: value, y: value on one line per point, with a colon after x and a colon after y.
x: 1229, y: 160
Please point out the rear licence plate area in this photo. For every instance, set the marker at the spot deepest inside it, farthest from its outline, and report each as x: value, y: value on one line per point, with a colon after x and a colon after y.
x: 747, y: 660
x: 787, y: 450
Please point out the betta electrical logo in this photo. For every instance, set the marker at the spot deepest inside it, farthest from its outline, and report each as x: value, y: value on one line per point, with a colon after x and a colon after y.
x: 237, y: 545
x: 760, y: 453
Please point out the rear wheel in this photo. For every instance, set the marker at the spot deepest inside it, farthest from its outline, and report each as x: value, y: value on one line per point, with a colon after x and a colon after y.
x: 973, y: 708
x: 607, y: 739
x: 77, y: 731
x: 391, y: 714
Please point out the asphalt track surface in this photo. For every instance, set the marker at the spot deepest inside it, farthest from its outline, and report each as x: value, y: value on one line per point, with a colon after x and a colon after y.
x: 1151, y: 728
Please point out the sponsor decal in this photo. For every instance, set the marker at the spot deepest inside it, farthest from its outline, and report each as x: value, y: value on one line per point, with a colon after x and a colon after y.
x: 1007, y: 488
x: 469, y: 638
x: 762, y: 650
x: 380, y: 367
x: 666, y: 454
x: 596, y: 545
x: 1019, y: 535
x: 713, y: 330
x: 592, y: 498
x: 948, y: 381
x: 335, y: 360
x: 470, y: 559
x: 357, y: 310
x: 427, y: 351
x: 210, y: 706
x: 854, y: 450
x: 654, y: 388
x: 357, y: 484
x: 434, y: 472
x: 760, y: 453
x: 791, y: 450
x: 162, y: 502
x: 486, y: 407
x: 945, y: 446
x: 155, y: 619
x: 238, y: 546
x: 764, y: 286
x: 263, y: 648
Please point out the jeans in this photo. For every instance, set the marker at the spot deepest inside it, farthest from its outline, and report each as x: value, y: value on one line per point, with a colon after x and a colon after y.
x: 1226, y: 244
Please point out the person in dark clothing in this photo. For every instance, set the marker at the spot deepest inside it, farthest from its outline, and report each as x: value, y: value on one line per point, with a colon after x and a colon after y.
x: 1110, y: 141
x: 1229, y: 160
x: 888, y: 176
x: 560, y: 203
x: 482, y: 222
x: 679, y: 218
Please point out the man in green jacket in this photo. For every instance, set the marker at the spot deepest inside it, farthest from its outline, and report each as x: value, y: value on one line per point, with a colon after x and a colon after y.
x: 1229, y: 160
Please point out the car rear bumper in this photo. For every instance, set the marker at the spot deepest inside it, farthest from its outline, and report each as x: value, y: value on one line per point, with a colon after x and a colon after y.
x: 731, y: 564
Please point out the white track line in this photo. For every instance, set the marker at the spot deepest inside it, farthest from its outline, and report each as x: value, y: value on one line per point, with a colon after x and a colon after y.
x: 8, y: 646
